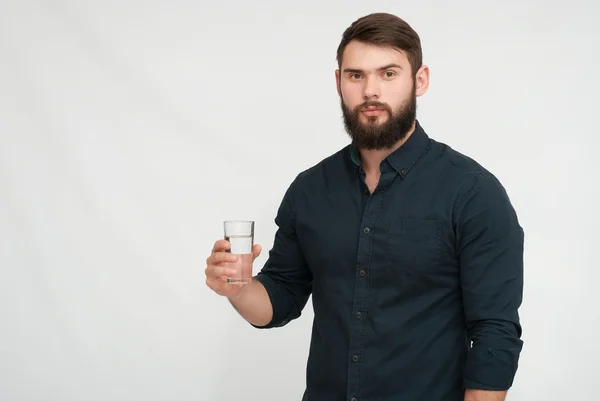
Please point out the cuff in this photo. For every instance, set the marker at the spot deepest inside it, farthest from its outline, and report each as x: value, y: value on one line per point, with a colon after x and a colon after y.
x: 491, y: 369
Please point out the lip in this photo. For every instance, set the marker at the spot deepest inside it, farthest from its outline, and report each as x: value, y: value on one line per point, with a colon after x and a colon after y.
x: 372, y: 112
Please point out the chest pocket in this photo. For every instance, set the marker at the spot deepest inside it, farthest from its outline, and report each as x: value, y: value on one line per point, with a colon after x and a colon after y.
x: 413, y: 245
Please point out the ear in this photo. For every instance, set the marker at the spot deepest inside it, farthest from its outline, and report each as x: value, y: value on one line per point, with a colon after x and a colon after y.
x: 338, y: 83
x: 422, y: 81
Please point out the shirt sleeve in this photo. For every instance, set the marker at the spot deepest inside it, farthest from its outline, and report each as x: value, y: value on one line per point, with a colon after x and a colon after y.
x: 286, y: 275
x: 490, y: 250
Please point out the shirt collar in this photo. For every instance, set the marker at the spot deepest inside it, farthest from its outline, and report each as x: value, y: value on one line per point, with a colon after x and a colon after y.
x: 406, y: 156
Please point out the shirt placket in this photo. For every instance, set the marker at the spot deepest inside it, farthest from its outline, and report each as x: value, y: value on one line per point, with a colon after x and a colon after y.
x: 361, y: 287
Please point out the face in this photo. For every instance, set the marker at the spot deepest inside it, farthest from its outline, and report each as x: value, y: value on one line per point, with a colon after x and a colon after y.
x: 378, y: 94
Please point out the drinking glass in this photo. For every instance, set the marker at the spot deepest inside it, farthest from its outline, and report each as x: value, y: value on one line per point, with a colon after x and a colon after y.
x: 240, y: 234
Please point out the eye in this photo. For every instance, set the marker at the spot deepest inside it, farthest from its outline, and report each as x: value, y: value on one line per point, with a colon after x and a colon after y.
x: 355, y: 75
x: 389, y: 74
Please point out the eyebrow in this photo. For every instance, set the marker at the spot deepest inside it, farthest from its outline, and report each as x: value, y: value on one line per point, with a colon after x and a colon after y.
x: 385, y: 67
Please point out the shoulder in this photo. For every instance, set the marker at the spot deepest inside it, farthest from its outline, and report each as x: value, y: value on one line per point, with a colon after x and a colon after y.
x: 456, y: 162
x: 475, y: 189
x: 327, y: 168
x: 465, y: 172
x: 316, y: 179
x: 465, y: 183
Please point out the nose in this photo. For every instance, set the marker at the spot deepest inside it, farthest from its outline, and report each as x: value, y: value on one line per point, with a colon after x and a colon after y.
x: 372, y: 89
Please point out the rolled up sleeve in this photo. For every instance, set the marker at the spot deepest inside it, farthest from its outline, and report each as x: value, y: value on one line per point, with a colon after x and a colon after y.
x: 286, y: 275
x: 490, y: 249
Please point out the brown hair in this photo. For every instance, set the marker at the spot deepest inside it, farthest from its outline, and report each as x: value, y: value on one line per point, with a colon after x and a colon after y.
x: 383, y: 29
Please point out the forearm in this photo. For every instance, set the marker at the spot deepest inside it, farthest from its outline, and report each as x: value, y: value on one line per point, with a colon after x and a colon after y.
x: 484, y: 395
x: 253, y: 304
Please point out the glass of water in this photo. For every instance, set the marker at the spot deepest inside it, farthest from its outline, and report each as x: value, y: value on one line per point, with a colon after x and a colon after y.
x: 240, y: 234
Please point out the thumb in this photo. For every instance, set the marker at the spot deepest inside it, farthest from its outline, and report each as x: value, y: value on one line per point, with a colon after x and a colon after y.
x: 256, y: 249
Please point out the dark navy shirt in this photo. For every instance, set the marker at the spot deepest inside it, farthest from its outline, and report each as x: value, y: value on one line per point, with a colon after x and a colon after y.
x: 415, y: 287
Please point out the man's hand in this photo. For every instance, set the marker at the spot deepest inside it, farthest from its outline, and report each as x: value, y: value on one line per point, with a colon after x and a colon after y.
x: 217, y: 269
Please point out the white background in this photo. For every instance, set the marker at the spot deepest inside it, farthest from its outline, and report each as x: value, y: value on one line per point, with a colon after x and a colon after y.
x: 130, y: 129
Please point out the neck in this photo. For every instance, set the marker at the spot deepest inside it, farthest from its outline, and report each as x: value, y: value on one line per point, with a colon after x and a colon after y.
x: 371, y: 159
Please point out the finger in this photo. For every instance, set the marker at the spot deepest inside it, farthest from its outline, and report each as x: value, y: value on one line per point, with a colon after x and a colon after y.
x: 216, y: 271
x: 215, y: 283
x: 256, y: 250
x: 222, y: 257
x: 221, y: 271
x: 221, y: 245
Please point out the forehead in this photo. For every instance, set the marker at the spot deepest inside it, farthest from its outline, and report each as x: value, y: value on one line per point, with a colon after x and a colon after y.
x: 367, y: 56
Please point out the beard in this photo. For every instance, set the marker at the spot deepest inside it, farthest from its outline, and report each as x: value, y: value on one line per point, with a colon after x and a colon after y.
x: 376, y: 136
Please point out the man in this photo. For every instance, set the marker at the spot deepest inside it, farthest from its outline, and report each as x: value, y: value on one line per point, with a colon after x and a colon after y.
x: 411, y: 251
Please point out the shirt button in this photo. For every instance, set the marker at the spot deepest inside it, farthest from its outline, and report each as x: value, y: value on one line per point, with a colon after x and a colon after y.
x: 404, y: 171
x: 353, y: 399
x: 367, y: 230
x: 362, y: 273
x: 358, y: 315
x: 355, y: 358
